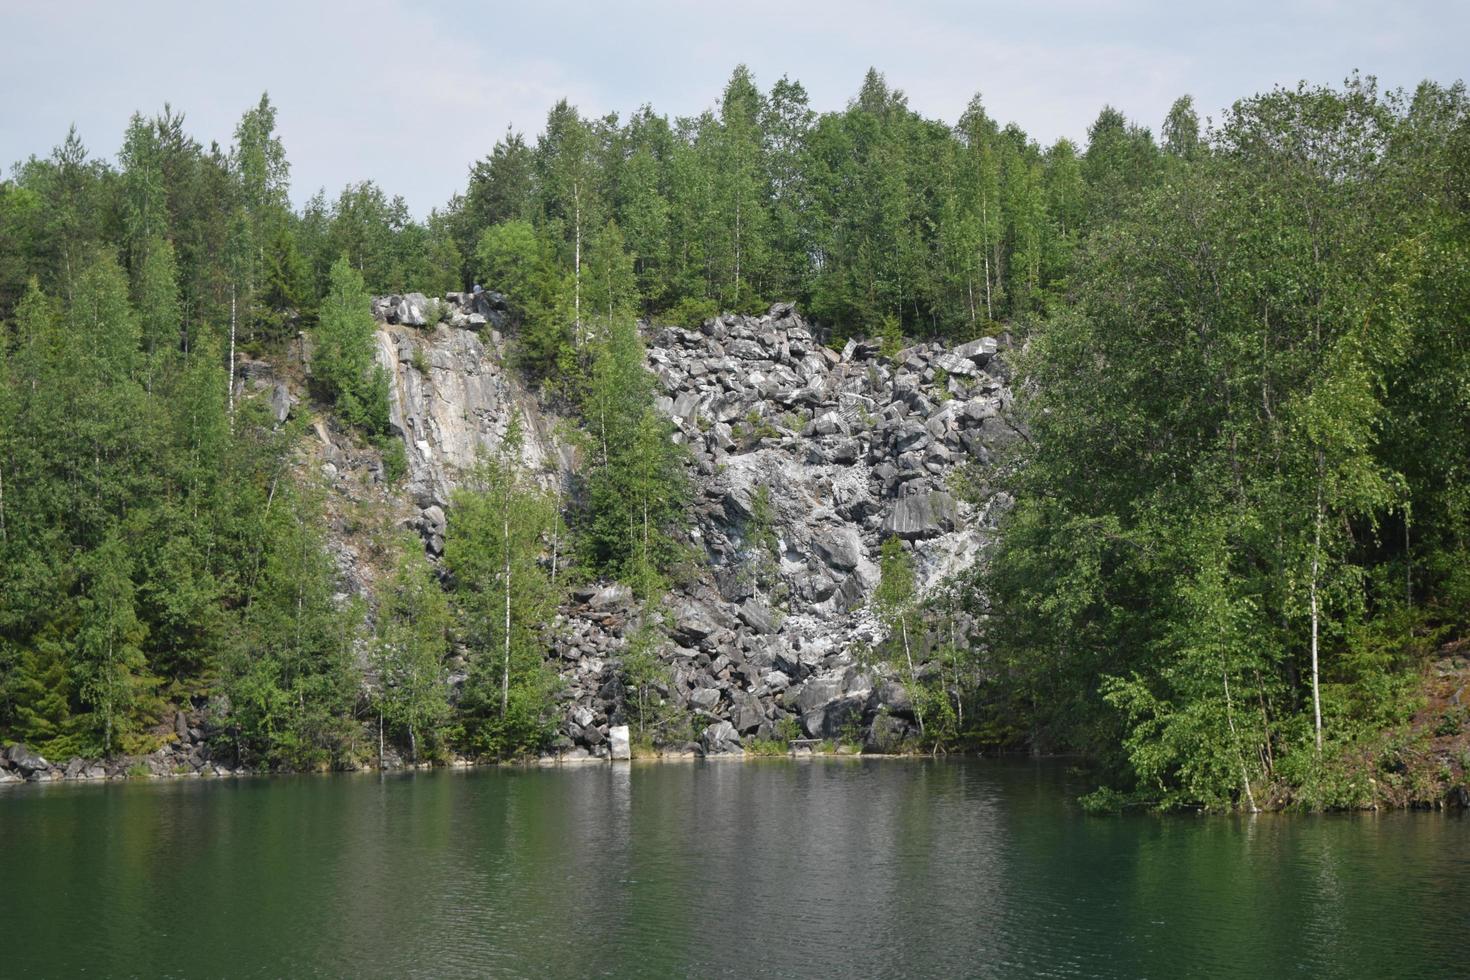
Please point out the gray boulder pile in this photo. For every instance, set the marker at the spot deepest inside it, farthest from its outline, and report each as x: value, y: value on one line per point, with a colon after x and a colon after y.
x: 850, y: 449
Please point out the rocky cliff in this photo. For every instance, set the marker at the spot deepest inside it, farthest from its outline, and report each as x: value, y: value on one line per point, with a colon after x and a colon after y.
x: 850, y: 447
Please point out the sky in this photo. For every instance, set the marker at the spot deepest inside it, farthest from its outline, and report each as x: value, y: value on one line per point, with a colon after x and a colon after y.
x: 409, y: 93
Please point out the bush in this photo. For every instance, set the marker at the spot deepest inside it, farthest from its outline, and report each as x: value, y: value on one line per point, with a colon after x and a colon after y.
x: 395, y: 460
x: 690, y: 312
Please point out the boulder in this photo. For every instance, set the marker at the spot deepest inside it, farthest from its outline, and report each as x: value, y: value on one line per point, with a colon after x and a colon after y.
x: 612, y: 597
x: 619, y: 743
x: 748, y: 714
x: 922, y: 515
x: 833, y: 719
x: 692, y: 623
x: 895, y: 697
x: 704, y: 697
x: 281, y: 402
x: 412, y: 310
x: 757, y: 616
x: 25, y: 759
x: 980, y: 350
x: 885, y: 734
x: 819, y: 691
x: 839, y: 548
x: 720, y: 739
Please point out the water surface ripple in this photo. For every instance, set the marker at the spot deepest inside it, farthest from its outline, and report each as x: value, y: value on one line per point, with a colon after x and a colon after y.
x: 774, y: 868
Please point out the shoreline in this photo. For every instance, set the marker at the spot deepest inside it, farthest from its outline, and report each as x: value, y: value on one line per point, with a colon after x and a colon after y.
x: 150, y: 769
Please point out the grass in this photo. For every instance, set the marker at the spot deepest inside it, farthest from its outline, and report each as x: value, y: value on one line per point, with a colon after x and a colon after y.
x: 767, y: 747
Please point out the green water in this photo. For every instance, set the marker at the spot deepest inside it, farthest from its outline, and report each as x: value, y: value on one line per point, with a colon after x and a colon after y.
x: 873, y: 868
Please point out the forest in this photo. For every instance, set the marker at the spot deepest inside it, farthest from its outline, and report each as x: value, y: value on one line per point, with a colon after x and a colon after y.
x: 1241, y: 525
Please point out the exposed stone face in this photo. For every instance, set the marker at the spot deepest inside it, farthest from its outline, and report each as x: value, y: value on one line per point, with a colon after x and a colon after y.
x: 922, y: 515
x: 850, y: 449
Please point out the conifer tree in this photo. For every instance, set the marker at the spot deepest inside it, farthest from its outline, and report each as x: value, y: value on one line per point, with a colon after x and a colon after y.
x: 344, y: 360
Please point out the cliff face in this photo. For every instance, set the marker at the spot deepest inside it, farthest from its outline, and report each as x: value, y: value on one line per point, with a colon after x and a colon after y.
x: 850, y: 448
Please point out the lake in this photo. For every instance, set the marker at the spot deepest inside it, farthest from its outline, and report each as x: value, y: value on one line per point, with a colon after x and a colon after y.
x: 823, y: 867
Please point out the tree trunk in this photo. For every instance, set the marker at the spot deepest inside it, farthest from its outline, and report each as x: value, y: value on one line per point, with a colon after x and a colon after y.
x: 1316, y: 564
x: 989, y: 313
x: 505, y: 571
x: 577, y: 262
x: 735, y: 300
x: 556, y: 528
x: 913, y: 677
x: 380, y: 740
x: 1245, y: 779
x: 230, y: 368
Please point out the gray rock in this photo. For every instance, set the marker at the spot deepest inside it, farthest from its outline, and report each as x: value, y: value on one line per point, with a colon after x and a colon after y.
x: 922, y: 515
x: 980, y: 351
x: 412, y: 310
x: 833, y: 719
x: 748, y: 714
x: 840, y: 548
x: 25, y: 759
x: 281, y: 402
x: 612, y: 597
x: 720, y: 739
x: 619, y: 743
x: 885, y: 734
x: 704, y: 697
x: 818, y: 691
x: 757, y: 616
x: 692, y: 622
x: 895, y: 697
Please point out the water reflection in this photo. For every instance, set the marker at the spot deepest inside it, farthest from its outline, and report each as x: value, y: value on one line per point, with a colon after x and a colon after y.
x: 769, y: 868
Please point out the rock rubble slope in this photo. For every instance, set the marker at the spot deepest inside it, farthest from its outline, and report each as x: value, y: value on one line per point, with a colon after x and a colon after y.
x: 850, y: 447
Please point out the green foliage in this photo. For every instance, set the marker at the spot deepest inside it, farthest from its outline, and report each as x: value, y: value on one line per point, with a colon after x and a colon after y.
x: 1220, y: 424
x: 408, y: 654
x: 110, y: 668
x: 289, y: 680
x: 654, y: 717
x: 890, y: 338
x: 509, y: 257
x: 503, y: 599
x: 637, y: 487
x: 895, y: 602
x: 344, y: 362
x: 691, y: 312
x: 762, y: 544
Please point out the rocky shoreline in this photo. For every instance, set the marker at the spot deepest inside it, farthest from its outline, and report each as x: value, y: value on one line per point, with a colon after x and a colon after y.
x: 21, y: 764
